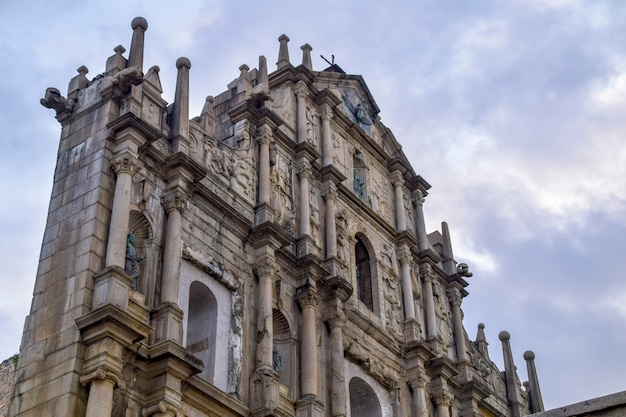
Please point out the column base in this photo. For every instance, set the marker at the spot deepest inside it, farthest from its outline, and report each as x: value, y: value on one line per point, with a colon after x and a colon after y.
x: 265, y: 393
x: 309, y: 406
x: 305, y: 245
x: 167, y: 320
x: 411, y: 331
x: 111, y: 286
x: 263, y: 213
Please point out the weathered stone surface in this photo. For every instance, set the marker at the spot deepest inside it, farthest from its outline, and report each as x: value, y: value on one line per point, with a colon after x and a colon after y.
x: 282, y: 272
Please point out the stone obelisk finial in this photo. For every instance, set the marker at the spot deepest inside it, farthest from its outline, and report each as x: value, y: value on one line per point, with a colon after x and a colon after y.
x: 283, y: 52
x: 513, y: 391
x: 536, y: 402
x: 135, y: 56
x: 262, y: 77
x: 448, y: 257
x: 306, y: 56
x: 180, y: 110
x: 481, y: 340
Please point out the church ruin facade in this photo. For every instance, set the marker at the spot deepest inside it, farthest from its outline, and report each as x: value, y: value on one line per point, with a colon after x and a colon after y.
x: 268, y: 257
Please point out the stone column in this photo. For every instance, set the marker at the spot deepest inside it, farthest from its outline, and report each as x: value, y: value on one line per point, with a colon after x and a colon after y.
x: 301, y: 93
x: 304, y: 172
x: 407, y: 285
x: 306, y: 56
x: 100, y: 400
x: 265, y: 323
x: 338, y: 391
x: 536, y: 401
x: 327, y: 143
x: 175, y: 203
x: 398, y: 181
x: 168, y: 316
x: 264, y: 139
x: 443, y: 401
x: 455, y: 298
x: 422, y: 236
x: 419, y: 386
x: 309, y: 358
x: 330, y: 196
x: 124, y: 166
x: 431, y: 324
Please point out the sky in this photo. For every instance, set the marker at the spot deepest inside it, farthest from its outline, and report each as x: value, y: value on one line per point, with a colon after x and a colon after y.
x: 513, y: 110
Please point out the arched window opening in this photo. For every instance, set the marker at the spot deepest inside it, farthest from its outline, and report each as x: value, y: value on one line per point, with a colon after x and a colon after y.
x: 202, y: 327
x: 363, y: 274
x: 363, y: 400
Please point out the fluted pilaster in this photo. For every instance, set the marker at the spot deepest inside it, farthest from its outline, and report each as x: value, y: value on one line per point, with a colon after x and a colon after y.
x: 398, y: 182
x: 428, y: 275
x: 327, y: 144
x: 407, y: 286
x: 301, y: 94
x: 264, y: 139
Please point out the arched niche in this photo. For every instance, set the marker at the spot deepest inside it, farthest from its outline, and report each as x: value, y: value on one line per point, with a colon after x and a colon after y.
x: 202, y: 327
x: 140, y: 228
x: 285, y: 347
x: 363, y: 400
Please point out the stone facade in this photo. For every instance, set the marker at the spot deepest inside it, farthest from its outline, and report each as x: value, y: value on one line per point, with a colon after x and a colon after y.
x: 266, y: 258
x: 7, y: 373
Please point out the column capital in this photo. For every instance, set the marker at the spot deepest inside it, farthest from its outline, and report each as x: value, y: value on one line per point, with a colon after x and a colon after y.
x: 303, y: 169
x: 443, y: 398
x: 307, y: 297
x: 301, y: 89
x: 264, y: 134
x: 99, y: 374
x: 162, y: 408
x: 327, y: 112
x: 426, y: 272
x: 454, y: 295
x: 329, y: 190
x: 335, y: 318
x: 175, y: 200
x: 126, y: 163
x: 404, y: 254
x: 418, y: 197
x: 419, y: 381
x: 265, y: 267
x: 397, y: 178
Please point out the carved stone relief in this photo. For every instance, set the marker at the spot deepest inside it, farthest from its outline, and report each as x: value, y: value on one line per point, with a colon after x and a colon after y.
x: 380, y: 195
x: 311, y: 126
x: 282, y: 196
x: 283, y: 104
x: 392, y: 307
x: 231, y: 160
x: 339, y: 157
x: 443, y: 313
x: 408, y: 211
x: 314, y: 205
x: 343, y: 250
